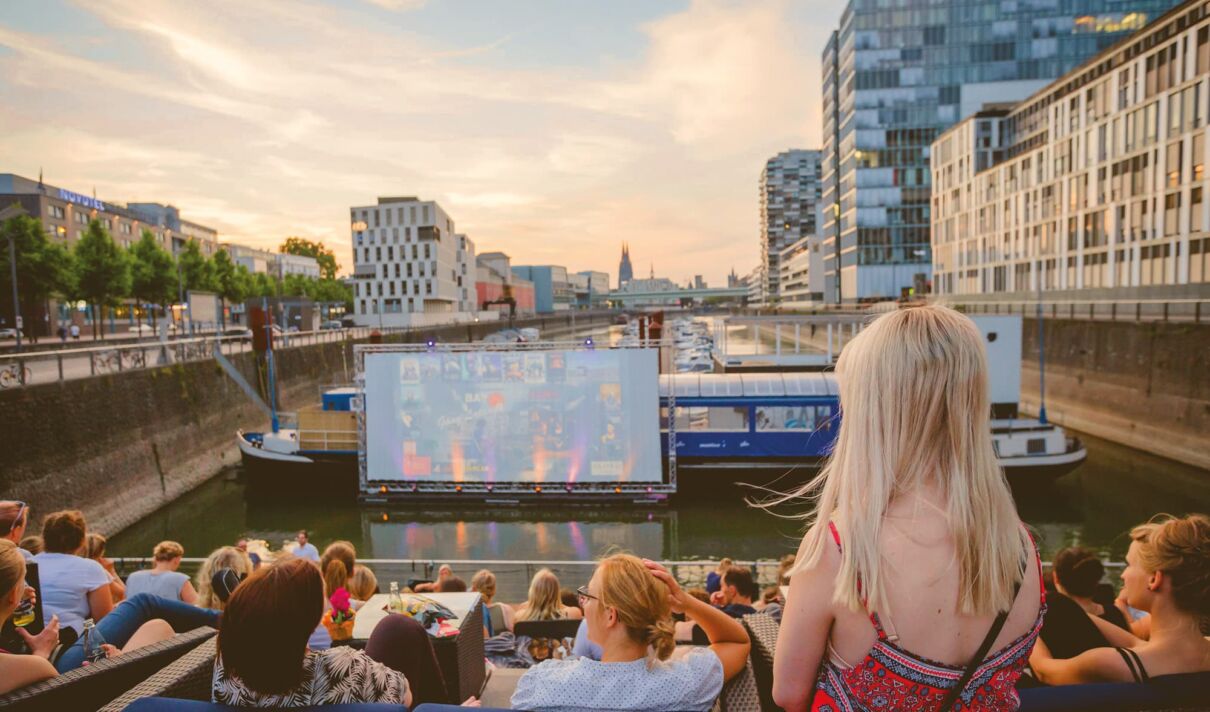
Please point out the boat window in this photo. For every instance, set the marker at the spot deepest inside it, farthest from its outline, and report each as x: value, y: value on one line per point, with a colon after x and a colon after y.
x: 793, y: 417
x: 1036, y: 446
x: 718, y: 418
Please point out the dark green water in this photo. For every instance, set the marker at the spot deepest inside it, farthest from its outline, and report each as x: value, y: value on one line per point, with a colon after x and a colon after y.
x: 1095, y: 505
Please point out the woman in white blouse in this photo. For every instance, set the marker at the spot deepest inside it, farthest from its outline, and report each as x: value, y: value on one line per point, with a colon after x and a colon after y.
x: 627, y: 605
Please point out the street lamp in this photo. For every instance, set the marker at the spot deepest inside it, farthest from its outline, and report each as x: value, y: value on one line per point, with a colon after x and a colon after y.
x: 13, y: 211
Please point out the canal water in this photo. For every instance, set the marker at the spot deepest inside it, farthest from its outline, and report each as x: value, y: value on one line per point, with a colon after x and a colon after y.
x: 1095, y: 505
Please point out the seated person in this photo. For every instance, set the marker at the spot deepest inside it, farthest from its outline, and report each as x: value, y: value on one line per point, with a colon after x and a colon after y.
x: 443, y: 572
x: 73, y: 587
x: 453, y: 584
x: 714, y: 579
x: 1067, y: 629
x: 163, y: 579
x: 544, y: 603
x: 263, y: 660
x: 126, y: 629
x: 224, y: 557
x: 734, y: 598
x: 95, y: 550
x: 1167, y: 574
x: 497, y: 617
x: 628, y: 605
x: 364, y: 583
x: 583, y: 647
x: 14, y: 516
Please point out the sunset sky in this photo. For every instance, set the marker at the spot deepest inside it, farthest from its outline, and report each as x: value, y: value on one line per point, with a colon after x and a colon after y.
x: 552, y: 130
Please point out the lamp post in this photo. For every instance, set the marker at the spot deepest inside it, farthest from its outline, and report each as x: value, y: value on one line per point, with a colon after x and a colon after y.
x: 13, y: 211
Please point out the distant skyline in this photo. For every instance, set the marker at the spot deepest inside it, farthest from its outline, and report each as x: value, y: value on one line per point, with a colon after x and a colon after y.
x: 552, y: 130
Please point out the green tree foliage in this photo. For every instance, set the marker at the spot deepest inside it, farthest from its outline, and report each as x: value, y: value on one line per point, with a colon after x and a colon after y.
x: 44, y: 267
x: 229, y: 282
x: 263, y: 285
x: 102, y: 271
x: 322, y: 254
x: 330, y: 291
x: 153, y: 278
x: 197, y: 272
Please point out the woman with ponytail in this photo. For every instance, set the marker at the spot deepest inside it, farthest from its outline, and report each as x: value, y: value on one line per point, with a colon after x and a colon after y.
x: 628, y: 606
x: 336, y: 568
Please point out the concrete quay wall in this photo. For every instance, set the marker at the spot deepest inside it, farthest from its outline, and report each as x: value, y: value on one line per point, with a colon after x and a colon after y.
x: 1141, y: 384
x: 119, y: 446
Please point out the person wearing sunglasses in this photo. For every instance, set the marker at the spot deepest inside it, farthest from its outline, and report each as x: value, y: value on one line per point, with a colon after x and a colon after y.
x: 628, y: 606
x: 14, y: 515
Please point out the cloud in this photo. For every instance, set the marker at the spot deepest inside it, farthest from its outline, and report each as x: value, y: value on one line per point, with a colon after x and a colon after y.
x: 398, y: 5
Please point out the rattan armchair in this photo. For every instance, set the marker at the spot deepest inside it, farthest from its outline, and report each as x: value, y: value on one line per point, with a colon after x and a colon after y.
x: 92, y: 686
x: 189, y: 678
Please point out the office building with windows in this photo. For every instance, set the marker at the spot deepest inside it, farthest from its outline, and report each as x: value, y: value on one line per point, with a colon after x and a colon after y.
x: 898, y: 74
x: 552, y: 288
x: 789, y: 192
x: 801, y: 264
x: 169, y: 218
x: 410, y: 266
x: 1093, y: 187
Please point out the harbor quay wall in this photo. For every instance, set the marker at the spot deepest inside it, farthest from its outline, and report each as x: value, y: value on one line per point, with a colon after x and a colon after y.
x: 119, y: 446
x: 1142, y: 384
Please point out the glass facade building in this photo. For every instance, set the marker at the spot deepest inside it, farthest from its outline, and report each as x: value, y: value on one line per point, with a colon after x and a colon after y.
x: 789, y: 194
x: 897, y: 74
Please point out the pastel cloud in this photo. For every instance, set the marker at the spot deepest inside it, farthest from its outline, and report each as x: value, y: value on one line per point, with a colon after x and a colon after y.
x: 270, y: 119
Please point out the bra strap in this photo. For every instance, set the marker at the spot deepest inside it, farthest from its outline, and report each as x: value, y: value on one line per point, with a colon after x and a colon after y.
x: 1134, y: 663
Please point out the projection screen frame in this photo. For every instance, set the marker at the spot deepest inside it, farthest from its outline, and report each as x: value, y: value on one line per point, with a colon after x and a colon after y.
x: 383, y: 490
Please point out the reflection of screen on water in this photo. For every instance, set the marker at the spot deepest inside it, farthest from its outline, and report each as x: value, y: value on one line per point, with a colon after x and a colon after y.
x: 519, y: 416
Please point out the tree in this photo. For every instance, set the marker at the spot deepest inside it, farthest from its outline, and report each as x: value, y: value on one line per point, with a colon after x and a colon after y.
x: 153, y: 278
x: 306, y: 248
x: 102, y: 271
x: 295, y: 285
x: 263, y: 285
x: 229, y: 282
x: 330, y: 291
x: 44, y: 267
x: 197, y: 272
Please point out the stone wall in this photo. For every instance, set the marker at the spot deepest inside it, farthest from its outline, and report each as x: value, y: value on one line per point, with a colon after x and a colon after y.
x: 1141, y: 384
x: 119, y: 446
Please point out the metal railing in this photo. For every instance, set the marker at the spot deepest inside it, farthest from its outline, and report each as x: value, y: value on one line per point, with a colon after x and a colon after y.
x: 1194, y: 311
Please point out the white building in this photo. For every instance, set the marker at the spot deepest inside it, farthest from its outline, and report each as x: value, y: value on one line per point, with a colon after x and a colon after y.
x: 789, y: 192
x: 410, y: 266
x: 801, y: 266
x: 1092, y: 188
x: 296, y: 264
x: 253, y: 259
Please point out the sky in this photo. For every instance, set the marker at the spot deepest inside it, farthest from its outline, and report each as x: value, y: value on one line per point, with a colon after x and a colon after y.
x: 552, y: 130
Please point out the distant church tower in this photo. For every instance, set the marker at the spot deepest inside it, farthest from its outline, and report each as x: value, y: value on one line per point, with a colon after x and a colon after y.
x: 625, y: 271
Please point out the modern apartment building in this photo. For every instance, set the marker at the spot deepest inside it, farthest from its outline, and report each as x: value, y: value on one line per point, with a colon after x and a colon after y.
x: 789, y: 192
x: 182, y: 231
x: 801, y: 264
x: 274, y: 264
x: 408, y: 260
x: 552, y: 288
x: 1093, y: 187
x: 898, y: 74
x: 591, y: 288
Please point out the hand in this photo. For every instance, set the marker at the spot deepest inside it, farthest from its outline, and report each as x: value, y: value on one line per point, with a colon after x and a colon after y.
x: 110, y: 650
x: 42, y: 644
x: 677, y: 599
x: 31, y: 594
x: 717, y: 599
x: 471, y: 701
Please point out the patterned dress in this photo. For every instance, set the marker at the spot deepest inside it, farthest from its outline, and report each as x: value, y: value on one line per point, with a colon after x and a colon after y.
x: 891, y: 678
x: 333, y: 676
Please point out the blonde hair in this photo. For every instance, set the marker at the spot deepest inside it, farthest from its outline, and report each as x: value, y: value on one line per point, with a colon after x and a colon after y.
x: 1181, y: 549
x: 336, y: 565
x: 96, y: 545
x: 363, y: 584
x: 543, y: 603
x: 12, y: 567
x: 225, y: 557
x: 484, y: 582
x: 167, y: 551
x: 914, y: 394
x: 640, y: 600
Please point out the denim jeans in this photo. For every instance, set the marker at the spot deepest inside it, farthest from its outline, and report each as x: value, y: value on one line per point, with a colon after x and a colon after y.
x: 121, y: 623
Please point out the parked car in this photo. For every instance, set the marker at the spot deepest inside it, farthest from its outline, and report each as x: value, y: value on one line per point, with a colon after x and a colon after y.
x: 333, y: 324
x: 9, y: 333
x: 237, y: 332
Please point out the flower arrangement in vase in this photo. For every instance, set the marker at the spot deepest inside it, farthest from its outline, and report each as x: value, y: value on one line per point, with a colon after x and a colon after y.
x: 339, y: 620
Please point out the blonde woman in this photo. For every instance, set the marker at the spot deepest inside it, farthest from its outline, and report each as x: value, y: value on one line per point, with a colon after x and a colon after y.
x: 336, y: 565
x: 226, y: 557
x: 627, y: 607
x: 1167, y: 574
x: 497, y: 616
x: 915, y: 549
x: 95, y: 550
x: 543, y: 603
x: 363, y: 584
x: 163, y: 579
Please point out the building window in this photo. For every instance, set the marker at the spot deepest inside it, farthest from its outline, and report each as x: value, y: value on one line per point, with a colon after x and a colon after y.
x: 1195, y: 210
x: 1197, y: 159
x: 1172, y: 209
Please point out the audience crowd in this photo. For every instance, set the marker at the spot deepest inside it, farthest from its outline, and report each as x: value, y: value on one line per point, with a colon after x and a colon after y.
x: 914, y: 570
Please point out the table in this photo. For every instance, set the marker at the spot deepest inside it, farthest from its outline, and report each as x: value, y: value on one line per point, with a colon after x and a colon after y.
x: 460, y: 656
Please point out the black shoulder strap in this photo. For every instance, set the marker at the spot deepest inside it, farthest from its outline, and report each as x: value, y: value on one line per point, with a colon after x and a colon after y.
x: 1134, y: 664
x: 997, y: 625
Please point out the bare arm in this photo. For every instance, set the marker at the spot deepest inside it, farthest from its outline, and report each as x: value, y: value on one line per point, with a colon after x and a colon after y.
x: 17, y: 671
x: 1096, y: 665
x: 1114, y: 635
x: 805, y: 625
x: 188, y: 594
x: 728, y: 639
x: 100, y: 602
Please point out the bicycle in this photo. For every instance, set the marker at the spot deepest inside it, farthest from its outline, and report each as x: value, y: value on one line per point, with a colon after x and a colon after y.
x: 15, y: 375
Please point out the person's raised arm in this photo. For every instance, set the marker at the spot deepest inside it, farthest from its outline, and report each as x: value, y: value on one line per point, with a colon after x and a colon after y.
x: 1114, y: 635
x: 1096, y: 665
x: 806, y: 622
x: 727, y: 636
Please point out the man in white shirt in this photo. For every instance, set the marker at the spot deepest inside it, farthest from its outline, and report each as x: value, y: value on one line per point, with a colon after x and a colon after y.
x: 305, y: 549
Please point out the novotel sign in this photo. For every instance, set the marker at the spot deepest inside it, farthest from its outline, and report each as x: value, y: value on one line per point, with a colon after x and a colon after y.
x: 81, y: 199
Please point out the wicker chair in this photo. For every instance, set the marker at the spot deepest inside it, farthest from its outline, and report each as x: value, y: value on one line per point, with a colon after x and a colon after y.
x: 189, y: 678
x: 762, y: 629
x: 92, y: 686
